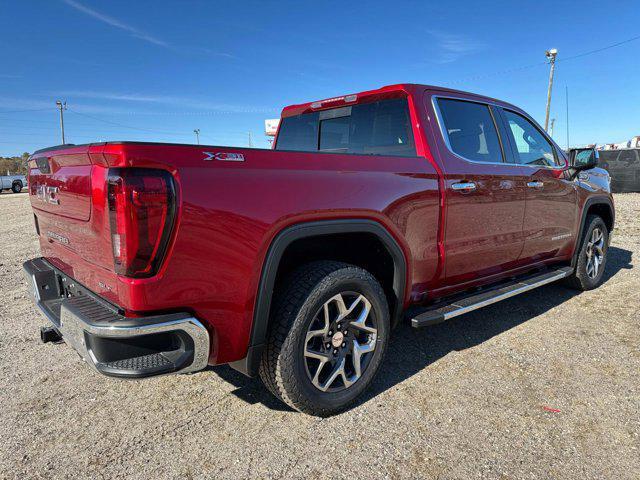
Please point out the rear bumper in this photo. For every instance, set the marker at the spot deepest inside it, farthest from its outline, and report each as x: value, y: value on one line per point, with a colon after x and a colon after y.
x: 111, y: 343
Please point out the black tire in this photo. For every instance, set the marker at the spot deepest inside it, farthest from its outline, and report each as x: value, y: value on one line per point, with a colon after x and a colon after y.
x: 16, y: 187
x: 285, y: 369
x: 583, y: 278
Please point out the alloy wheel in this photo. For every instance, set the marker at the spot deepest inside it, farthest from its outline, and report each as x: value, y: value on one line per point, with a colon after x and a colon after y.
x: 340, y: 342
x: 595, y: 253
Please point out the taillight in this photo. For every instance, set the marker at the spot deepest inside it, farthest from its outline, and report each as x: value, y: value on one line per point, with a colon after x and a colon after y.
x: 142, y: 207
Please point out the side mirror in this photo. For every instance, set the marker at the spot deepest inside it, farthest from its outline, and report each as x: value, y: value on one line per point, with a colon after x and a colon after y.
x: 583, y: 158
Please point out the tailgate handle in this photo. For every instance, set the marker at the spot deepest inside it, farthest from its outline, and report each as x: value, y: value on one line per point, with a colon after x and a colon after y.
x: 535, y: 184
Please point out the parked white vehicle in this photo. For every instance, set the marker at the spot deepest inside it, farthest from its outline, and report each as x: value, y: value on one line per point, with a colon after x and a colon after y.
x: 15, y: 183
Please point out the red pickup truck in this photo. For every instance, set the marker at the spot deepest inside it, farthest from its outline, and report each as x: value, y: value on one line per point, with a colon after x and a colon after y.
x: 294, y: 263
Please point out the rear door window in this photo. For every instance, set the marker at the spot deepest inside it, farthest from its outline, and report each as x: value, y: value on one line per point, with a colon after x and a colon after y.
x: 377, y: 128
x: 470, y: 130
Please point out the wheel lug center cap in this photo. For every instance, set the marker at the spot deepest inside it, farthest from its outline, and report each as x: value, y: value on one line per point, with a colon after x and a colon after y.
x: 337, y: 339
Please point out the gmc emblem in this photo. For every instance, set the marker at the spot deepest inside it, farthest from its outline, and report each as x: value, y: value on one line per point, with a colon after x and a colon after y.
x: 47, y: 194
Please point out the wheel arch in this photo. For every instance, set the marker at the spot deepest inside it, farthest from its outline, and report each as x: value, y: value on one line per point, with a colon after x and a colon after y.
x: 601, y: 206
x: 272, y: 262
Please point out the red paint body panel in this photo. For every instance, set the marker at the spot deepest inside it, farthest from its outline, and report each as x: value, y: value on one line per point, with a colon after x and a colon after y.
x: 228, y: 213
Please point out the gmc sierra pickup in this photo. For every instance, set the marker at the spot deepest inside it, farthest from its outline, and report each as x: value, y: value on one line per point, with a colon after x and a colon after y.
x: 294, y: 263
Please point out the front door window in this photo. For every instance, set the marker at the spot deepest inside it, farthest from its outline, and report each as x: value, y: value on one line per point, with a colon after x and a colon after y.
x: 532, y: 147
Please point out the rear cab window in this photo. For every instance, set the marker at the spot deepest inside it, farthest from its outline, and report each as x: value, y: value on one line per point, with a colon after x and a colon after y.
x: 299, y: 133
x: 375, y: 128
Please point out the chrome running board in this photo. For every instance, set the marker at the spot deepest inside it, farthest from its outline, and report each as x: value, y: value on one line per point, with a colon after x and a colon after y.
x: 441, y: 313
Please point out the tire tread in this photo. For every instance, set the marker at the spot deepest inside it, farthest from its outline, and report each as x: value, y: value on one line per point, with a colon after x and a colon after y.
x: 579, y: 280
x: 308, y: 280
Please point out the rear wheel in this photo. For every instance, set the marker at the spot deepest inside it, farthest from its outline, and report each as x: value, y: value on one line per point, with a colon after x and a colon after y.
x: 592, y: 257
x: 328, y: 337
x: 16, y: 187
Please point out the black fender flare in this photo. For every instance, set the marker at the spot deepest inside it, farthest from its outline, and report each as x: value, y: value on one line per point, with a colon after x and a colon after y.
x: 590, y: 202
x: 259, y: 328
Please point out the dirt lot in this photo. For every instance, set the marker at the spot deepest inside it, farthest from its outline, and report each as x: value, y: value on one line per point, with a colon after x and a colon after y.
x: 541, y: 386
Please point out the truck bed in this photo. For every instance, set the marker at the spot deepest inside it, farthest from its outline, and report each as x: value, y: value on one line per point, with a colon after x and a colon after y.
x: 231, y: 202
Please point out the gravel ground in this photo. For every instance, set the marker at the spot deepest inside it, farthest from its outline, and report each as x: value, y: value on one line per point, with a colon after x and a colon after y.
x: 540, y: 386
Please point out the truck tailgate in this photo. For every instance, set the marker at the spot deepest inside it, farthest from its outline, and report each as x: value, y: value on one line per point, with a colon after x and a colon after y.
x: 66, y: 190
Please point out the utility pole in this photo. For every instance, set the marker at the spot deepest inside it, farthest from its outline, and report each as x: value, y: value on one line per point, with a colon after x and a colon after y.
x: 197, y: 132
x: 551, y: 56
x: 566, y: 91
x: 553, y: 121
x: 250, y: 141
x: 61, y: 106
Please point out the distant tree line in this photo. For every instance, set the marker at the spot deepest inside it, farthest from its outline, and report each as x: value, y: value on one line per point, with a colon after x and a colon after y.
x: 14, y: 165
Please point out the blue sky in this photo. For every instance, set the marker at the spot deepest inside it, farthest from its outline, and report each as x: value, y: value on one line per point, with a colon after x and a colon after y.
x: 155, y: 70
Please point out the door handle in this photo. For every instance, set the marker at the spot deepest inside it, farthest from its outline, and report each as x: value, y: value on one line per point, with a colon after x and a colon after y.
x: 464, y: 187
x: 535, y: 184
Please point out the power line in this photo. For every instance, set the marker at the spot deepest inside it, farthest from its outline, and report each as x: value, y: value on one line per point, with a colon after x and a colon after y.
x: 100, y: 135
x: 24, y: 111
x: 165, y: 113
x: 598, y: 50
x: 28, y: 134
x: 20, y: 125
x: 26, y: 120
x: 204, y: 113
x: 126, y: 126
x: 533, y: 65
x: 498, y: 72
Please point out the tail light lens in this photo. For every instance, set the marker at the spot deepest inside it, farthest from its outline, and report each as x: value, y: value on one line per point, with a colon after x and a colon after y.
x: 142, y: 207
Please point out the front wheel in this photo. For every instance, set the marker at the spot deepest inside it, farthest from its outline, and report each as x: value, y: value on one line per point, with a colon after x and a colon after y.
x: 327, y: 338
x: 16, y: 187
x: 592, y: 257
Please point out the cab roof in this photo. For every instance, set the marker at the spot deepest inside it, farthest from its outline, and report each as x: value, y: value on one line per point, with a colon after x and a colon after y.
x: 388, y: 91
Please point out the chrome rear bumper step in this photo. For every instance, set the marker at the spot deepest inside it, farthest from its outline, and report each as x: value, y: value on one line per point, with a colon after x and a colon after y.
x: 112, y: 343
x: 441, y: 313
